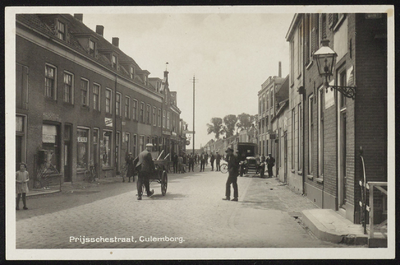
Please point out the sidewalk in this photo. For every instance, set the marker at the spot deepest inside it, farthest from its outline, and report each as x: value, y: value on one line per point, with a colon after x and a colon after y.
x: 68, y: 187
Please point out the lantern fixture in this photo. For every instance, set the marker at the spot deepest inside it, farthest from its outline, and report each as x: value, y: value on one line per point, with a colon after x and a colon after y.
x: 325, y: 58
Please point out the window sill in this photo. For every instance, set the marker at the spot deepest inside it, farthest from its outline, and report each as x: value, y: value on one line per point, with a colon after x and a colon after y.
x: 320, y: 180
x: 300, y: 173
x: 293, y: 170
x: 310, y: 177
x: 309, y: 65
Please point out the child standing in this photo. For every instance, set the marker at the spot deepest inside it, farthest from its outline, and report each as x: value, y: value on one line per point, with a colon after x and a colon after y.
x: 22, y: 179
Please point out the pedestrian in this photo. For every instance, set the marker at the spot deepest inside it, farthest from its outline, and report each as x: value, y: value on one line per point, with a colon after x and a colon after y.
x: 270, y: 164
x: 218, y: 161
x: 233, y: 169
x: 145, y: 166
x: 191, y: 162
x: 130, y: 168
x: 22, y: 178
x: 262, y: 166
x: 175, y: 162
x: 202, y: 161
x: 206, y: 159
x: 212, y: 158
x: 180, y: 163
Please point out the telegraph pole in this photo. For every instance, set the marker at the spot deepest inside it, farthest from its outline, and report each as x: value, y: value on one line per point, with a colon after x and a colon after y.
x: 194, y: 96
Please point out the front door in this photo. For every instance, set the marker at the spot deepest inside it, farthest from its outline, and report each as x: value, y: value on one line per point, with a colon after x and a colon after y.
x: 342, y: 161
x: 67, y: 154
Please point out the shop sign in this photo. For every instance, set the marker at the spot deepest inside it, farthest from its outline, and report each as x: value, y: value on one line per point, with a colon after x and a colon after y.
x: 108, y: 122
x: 82, y: 139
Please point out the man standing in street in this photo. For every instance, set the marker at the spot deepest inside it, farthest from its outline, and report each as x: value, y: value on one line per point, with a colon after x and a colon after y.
x: 212, y: 158
x: 217, y: 162
x: 202, y: 161
x: 145, y: 167
x: 191, y: 162
x: 262, y: 166
x: 233, y: 169
x: 175, y: 162
x: 270, y: 164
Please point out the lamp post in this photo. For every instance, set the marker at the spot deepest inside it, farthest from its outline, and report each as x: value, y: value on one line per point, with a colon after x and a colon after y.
x: 325, y: 58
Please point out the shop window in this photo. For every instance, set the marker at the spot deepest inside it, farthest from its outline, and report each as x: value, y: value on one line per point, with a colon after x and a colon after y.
x: 50, y: 82
x: 20, y: 140
x: 50, y: 143
x: 82, y: 148
x: 106, y: 153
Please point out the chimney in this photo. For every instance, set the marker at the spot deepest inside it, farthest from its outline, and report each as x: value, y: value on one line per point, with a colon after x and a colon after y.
x: 280, y: 70
x: 115, y: 41
x: 79, y: 17
x: 100, y: 30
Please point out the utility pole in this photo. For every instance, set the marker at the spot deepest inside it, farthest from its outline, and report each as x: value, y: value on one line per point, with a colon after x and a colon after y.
x: 194, y: 97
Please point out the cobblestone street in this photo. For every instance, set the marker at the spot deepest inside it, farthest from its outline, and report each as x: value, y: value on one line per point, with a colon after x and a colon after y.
x: 191, y: 215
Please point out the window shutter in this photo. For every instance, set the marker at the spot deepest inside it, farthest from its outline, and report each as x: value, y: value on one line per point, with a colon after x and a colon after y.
x: 323, y: 27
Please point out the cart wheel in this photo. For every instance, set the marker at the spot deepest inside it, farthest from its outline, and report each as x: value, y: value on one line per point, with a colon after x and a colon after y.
x: 164, y: 183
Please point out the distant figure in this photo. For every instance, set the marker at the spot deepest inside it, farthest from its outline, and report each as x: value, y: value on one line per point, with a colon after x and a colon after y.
x: 130, y: 168
x: 218, y: 161
x: 206, y: 159
x: 202, y: 161
x: 180, y: 164
x: 270, y: 164
x: 145, y: 165
x: 191, y: 162
x: 175, y: 162
x: 262, y: 166
x: 22, y: 178
x: 212, y: 158
x: 233, y: 169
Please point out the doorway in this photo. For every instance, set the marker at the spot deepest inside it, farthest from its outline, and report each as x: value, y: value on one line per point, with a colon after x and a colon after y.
x: 67, y: 153
x: 285, y: 158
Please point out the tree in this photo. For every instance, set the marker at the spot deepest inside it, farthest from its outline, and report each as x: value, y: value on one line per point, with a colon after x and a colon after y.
x: 229, y: 124
x: 215, y: 127
x: 245, y: 121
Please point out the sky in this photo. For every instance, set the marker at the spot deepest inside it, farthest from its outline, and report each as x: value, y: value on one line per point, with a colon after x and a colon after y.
x: 230, y: 54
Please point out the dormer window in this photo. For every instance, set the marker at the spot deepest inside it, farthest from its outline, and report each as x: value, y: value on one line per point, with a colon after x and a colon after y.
x: 92, y: 47
x: 145, y: 79
x: 61, y: 30
x: 114, y: 62
x: 132, y: 73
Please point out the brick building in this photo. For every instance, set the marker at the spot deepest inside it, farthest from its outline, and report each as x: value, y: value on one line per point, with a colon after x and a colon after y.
x: 336, y: 127
x: 82, y: 101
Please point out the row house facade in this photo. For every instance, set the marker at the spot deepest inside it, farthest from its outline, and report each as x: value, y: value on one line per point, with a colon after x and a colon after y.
x: 80, y: 100
x: 327, y: 130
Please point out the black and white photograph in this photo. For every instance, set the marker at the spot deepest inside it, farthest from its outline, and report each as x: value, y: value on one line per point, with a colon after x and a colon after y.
x: 200, y: 132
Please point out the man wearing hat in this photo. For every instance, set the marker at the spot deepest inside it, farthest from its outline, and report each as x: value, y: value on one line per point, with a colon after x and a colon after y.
x: 233, y: 169
x: 130, y: 168
x: 145, y: 167
x: 270, y: 163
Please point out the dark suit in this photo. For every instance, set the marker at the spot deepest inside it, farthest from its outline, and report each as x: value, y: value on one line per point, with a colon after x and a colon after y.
x: 233, y: 169
x: 145, y: 166
x: 218, y: 161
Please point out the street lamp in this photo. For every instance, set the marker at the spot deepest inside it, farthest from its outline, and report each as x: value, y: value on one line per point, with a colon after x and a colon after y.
x: 325, y: 58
